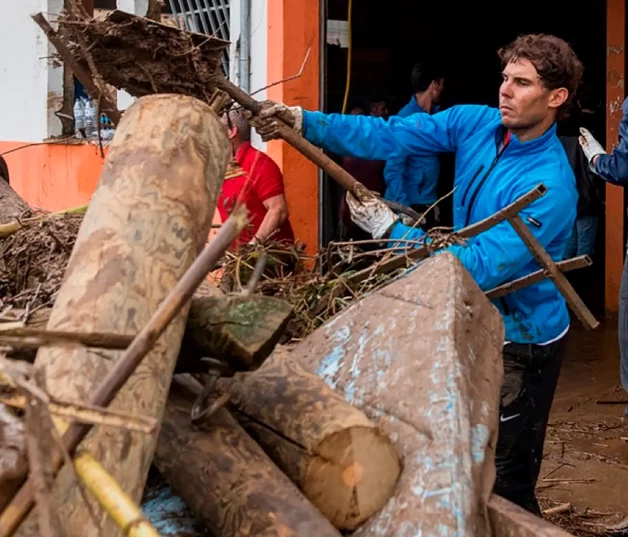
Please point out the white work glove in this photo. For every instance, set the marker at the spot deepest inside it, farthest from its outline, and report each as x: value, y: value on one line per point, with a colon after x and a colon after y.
x: 591, y: 147
x: 270, y: 119
x: 370, y: 214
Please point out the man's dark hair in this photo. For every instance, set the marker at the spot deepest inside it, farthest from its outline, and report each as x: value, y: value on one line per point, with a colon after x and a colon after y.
x: 237, y: 119
x: 423, y: 74
x: 554, y: 60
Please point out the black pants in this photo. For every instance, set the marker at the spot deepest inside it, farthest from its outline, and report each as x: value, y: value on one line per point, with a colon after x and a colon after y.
x: 530, y: 378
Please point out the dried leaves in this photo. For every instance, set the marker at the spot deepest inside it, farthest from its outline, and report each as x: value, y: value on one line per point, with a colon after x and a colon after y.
x: 33, y: 261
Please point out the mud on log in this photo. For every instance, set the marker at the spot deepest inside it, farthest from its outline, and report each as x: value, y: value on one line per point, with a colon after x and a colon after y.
x: 227, y: 480
x: 340, y: 460
x: 422, y: 357
x: 145, y: 225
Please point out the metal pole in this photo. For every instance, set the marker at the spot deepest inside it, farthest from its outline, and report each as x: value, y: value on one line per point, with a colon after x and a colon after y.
x: 245, y: 45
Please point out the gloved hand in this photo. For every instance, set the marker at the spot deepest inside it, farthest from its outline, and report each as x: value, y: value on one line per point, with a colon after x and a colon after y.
x: 269, y: 120
x: 371, y: 214
x: 591, y: 147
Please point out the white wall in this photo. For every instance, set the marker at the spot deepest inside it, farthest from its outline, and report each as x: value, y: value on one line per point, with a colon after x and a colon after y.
x: 259, y: 49
x: 29, y: 86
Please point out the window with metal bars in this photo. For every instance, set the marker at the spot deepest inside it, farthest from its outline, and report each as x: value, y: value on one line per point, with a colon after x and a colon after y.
x: 209, y: 17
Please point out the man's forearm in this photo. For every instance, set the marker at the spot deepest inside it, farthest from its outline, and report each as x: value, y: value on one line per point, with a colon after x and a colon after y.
x: 272, y: 221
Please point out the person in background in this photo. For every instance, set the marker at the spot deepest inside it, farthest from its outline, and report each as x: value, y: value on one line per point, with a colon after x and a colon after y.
x: 584, y: 235
x: 412, y: 180
x: 613, y: 168
x: 255, y: 180
x: 379, y: 106
x: 501, y: 155
x: 368, y: 172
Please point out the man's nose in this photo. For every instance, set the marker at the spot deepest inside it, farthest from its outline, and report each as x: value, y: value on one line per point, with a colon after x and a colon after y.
x: 506, y: 89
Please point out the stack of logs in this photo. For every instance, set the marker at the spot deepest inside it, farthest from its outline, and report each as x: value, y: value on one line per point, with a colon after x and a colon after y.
x: 313, y: 464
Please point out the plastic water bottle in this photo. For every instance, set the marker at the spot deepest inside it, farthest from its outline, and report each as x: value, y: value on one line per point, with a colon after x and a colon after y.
x: 90, y: 123
x: 79, y: 115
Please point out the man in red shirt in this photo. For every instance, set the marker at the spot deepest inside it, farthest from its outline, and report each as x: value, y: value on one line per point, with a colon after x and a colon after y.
x: 255, y: 180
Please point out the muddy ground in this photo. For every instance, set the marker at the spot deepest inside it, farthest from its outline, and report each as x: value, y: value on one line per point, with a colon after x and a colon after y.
x: 586, y: 450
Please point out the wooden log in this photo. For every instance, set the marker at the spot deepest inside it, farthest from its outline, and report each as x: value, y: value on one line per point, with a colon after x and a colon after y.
x: 12, y: 206
x: 227, y: 480
x: 242, y: 330
x: 13, y: 459
x: 510, y: 520
x: 343, y: 464
x: 146, y: 223
x: 422, y: 358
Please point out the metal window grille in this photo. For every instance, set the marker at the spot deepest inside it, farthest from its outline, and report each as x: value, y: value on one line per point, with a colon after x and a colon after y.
x: 209, y: 17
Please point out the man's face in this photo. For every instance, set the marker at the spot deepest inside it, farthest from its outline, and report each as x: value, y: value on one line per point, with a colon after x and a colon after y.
x: 379, y: 109
x: 437, y: 87
x: 523, y: 100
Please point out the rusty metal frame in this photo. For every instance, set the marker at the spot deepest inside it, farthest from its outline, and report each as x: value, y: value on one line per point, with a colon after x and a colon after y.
x: 549, y: 268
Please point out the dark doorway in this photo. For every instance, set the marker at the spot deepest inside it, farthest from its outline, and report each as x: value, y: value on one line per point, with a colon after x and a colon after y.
x: 388, y: 38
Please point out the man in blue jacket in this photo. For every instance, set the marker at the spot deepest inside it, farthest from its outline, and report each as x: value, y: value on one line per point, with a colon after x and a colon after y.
x: 412, y: 180
x: 614, y: 169
x: 501, y: 154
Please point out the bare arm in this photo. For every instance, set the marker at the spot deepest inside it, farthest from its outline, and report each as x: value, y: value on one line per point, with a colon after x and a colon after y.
x: 276, y: 215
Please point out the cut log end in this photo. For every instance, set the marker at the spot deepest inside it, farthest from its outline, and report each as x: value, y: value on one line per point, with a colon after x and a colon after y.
x: 352, y: 475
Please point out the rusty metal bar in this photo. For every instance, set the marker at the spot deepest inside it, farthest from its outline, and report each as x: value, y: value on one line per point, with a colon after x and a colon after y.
x: 553, y: 272
x: 535, y: 277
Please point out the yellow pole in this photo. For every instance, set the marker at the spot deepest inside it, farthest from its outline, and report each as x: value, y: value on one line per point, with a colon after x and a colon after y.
x: 117, y: 504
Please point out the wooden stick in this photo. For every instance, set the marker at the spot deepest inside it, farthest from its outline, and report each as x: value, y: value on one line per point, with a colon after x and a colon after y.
x: 12, y: 227
x: 539, y: 275
x: 553, y: 272
x: 416, y: 254
x: 39, y: 444
x: 110, y: 496
x: 84, y: 77
x: 22, y: 502
x: 33, y: 338
x: 562, y: 508
x: 313, y: 153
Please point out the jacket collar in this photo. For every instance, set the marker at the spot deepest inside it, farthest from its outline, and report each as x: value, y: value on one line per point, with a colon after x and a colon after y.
x: 532, y: 146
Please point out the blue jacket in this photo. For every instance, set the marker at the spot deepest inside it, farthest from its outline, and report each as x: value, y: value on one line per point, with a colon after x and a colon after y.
x: 484, y: 184
x: 614, y: 166
x: 412, y: 180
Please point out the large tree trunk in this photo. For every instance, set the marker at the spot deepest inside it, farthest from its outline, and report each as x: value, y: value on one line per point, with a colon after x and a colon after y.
x: 422, y: 357
x: 146, y: 223
x: 343, y: 464
x: 12, y: 206
x: 227, y: 480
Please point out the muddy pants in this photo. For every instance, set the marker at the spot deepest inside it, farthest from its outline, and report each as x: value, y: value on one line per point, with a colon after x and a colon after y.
x: 530, y: 378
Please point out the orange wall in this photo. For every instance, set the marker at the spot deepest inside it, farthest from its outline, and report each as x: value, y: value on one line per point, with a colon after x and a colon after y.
x: 293, y: 27
x: 53, y: 177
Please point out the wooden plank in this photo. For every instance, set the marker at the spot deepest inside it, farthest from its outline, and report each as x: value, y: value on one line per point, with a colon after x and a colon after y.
x: 510, y: 520
x: 422, y: 358
x: 146, y: 224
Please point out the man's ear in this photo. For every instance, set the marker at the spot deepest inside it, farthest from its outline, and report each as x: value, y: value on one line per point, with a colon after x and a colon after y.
x: 232, y: 132
x: 558, y: 97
